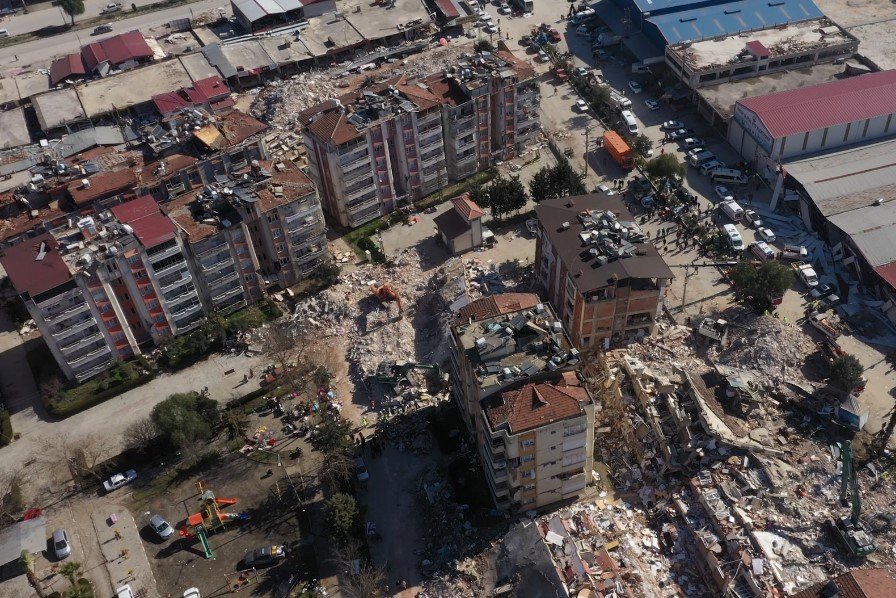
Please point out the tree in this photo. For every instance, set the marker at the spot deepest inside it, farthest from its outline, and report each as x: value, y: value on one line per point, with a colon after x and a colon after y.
x: 666, y: 166
x: 359, y: 579
x: 846, y: 372
x: 552, y: 182
x: 758, y: 285
x: 332, y: 435
x: 642, y: 144
x: 27, y: 563
x: 342, y: 515
x: 503, y: 196
x: 72, y: 8
x: 70, y: 570
x: 140, y: 434
x: 336, y: 469
x: 541, y: 186
x: 287, y: 343
x: 185, y: 417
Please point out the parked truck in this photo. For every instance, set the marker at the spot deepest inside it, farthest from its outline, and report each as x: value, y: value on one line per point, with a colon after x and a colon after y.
x: 619, y: 150
x: 806, y: 273
x: 617, y: 100
x: 828, y: 326
x: 605, y: 40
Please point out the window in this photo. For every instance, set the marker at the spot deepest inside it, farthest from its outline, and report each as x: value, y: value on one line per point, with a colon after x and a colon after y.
x: 528, y: 475
x: 527, y: 443
x: 805, y: 141
x: 846, y: 134
x: 573, y: 430
x: 529, y: 487
x: 865, y: 130
x: 527, y: 458
x: 277, y: 232
x: 159, y: 318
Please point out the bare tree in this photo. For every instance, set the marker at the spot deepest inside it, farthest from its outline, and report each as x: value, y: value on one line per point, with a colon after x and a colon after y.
x: 336, y: 468
x: 358, y: 578
x: 288, y: 344
x: 85, y: 455
x: 11, y: 500
x: 140, y: 434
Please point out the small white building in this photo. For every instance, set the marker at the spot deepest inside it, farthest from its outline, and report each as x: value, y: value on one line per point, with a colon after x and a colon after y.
x: 767, y: 130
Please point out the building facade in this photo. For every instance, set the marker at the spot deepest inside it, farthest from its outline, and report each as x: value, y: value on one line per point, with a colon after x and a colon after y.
x: 599, y: 270
x: 393, y: 143
x: 518, y: 392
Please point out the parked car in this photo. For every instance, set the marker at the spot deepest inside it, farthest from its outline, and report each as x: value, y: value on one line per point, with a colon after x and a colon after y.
x: 600, y: 54
x: 672, y: 125
x: 723, y: 193
x: 752, y: 218
x: 62, y: 546
x: 111, y: 7
x: 829, y: 301
x: 583, y: 31
x: 767, y: 235
x: 161, y: 527
x: 635, y: 86
x: 679, y: 134
x: 822, y: 290
x: 361, y: 470
x: 264, y: 557
x: 707, y: 167
x: 581, y: 105
x: 491, y: 29
x: 652, y: 104
x: 504, y: 9
x: 101, y: 29
x: 119, y: 480
x: 124, y: 591
x: 762, y: 251
x: 604, y: 189
x: 693, y: 142
x: 581, y: 71
x: 542, y: 56
x: 192, y: 593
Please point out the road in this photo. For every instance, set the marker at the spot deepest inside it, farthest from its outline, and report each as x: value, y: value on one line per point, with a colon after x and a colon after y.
x: 39, y: 53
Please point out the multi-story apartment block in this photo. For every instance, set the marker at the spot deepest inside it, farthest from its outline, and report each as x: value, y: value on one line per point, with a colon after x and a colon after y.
x: 598, y: 269
x: 397, y: 141
x: 520, y: 396
x: 108, y: 284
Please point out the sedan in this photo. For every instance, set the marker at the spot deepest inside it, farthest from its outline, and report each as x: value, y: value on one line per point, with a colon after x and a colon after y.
x: 581, y: 105
x: 491, y: 29
x: 604, y: 189
x: 119, y: 480
x: 581, y: 71
x: 693, y: 142
x: 652, y: 104
x: 161, y: 527
x: 723, y: 193
x: 264, y: 557
x: 822, y: 290
x: 767, y: 235
x: 635, y: 86
x: 672, y: 125
x: 504, y: 9
x: 679, y: 134
x: 752, y: 218
x: 62, y: 546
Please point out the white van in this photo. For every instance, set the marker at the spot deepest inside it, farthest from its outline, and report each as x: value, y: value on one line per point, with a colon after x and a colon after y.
x: 630, y: 122
x: 732, y: 176
x: 732, y: 210
x: 734, y: 238
x: 762, y: 251
x: 700, y: 158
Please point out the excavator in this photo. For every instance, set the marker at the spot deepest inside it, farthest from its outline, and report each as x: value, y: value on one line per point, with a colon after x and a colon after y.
x: 384, y: 293
x: 849, y: 530
x: 393, y: 373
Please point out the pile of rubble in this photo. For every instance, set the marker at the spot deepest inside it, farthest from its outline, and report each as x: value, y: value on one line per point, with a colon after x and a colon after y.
x: 768, y: 348
x: 279, y: 102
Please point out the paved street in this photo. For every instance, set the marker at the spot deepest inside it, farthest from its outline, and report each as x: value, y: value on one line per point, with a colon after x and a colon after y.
x: 40, y: 52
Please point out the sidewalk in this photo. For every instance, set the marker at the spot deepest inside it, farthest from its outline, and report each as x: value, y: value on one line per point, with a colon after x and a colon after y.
x: 132, y: 568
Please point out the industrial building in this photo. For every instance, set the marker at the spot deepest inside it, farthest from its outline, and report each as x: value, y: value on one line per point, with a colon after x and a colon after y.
x: 599, y: 269
x: 767, y: 130
x: 649, y: 26
x: 393, y: 143
x: 261, y: 15
x: 527, y: 410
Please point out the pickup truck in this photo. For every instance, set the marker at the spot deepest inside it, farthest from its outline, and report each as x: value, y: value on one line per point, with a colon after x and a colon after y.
x: 119, y: 480
x: 827, y: 326
x: 806, y: 273
x: 794, y: 252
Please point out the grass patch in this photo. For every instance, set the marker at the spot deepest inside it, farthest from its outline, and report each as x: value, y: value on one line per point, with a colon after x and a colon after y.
x: 459, y: 188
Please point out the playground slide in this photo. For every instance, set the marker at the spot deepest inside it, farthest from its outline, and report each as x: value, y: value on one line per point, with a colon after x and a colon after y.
x: 203, y: 539
x: 225, y: 501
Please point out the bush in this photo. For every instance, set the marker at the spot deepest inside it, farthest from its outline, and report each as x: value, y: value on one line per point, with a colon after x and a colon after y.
x: 367, y: 244
x: 342, y: 516
x: 6, y: 432
x: 119, y: 379
x: 186, y: 417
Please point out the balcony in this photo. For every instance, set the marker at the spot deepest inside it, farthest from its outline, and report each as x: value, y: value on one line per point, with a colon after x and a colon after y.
x: 187, y: 310
x: 223, y: 261
x: 67, y: 313
x: 188, y: 322
x: 80, y: 343
x: 225, y: 277
x: 211, y: 248
x: 87, y: 357
x: 465, y: 142
x: 237, y: 290
x: 180, y: 293
x: 173, y: 282
x: 75, y: 327
x: 362, y: 202
x: 316, y: 253
x: 170, y: 268
x: 167, y: 252
x: 433, y: 158
x: 349, y: 161
x: 357, y: 173
x: 93, y: 369
x: 308, y: 224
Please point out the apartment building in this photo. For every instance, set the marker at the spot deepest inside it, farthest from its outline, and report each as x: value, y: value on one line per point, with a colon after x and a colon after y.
x: 519, y: 394
x: 126, y: 278
x: 395, y: 142
x: 598, y: 268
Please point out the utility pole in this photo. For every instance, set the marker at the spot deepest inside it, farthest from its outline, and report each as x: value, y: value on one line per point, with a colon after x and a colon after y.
x: 687, y: 276
x: 585, y: 167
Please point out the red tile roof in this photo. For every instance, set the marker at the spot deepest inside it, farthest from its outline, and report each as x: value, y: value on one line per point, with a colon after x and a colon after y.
x: 498, y: 305
x: 93, y: 54
x: 126, y: 46
x: 827, y: 104
x: 858, y: 583
x: 65, y: 67
x: 212, y: 88
x: 467, y: 208
x: 30, y: 275
x: 328, y: 122
x: 102, y: 185
x: 447, y: 9
x: 204, y: 91
x: 535, y: 405
x: 151, y: 227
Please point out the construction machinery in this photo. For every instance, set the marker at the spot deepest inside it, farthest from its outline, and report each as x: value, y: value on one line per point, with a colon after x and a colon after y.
x: 715, y: 329
x: 394, y: 373
x: 385, y: 293
x: 849, y: 530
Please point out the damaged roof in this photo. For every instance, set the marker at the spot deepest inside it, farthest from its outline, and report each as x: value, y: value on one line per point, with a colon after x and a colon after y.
x: 535, y: 405
x: 151, y: 227
x: 35, y: 265
x: 498, y: 305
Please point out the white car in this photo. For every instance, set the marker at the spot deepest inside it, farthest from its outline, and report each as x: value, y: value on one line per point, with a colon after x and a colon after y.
x: 604, y: 189
x: 767, y: 235
x: 491, y: 29
x: 581, y: 105
x: 192, y: 593
x: 635, y: 86
x: 723, y: 193
x: 124, y: 591
x: 119, y: 480
x: 504, y: 9
x: 652, y: 104
x: 693, y: 142
x: 672, y: 125
x: 708, y: 167
x: 752, y: 218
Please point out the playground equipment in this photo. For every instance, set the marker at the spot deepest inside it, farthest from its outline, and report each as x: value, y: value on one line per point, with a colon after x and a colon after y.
x: 209, y: 518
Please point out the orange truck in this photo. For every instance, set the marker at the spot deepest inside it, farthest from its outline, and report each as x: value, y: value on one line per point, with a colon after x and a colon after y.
x: 619, y: 150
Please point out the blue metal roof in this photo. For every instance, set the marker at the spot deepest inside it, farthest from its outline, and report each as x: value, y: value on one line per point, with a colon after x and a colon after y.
x: 732, y: 18
x: 659, y: 7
